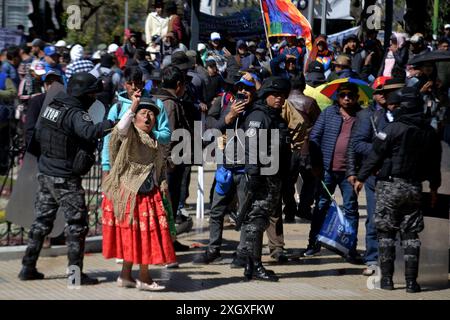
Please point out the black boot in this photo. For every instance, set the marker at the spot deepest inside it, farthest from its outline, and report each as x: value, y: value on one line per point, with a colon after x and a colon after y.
x: 411, y: 246
x: 248, y: 270
x: 386, y: 250
x: 29, y: 271
x: 386, y: 283
x: 262, y: 274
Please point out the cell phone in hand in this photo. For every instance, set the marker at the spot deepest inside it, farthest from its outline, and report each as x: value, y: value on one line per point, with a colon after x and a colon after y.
x: 241, y: 97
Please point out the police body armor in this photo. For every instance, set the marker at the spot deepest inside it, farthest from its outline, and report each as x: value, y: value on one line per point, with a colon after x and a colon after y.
x: 60, y: 145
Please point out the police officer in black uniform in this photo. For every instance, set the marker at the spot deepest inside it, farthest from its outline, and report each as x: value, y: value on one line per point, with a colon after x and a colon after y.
x: 408, y: 153
x: 264, y: 177
x: 64, y: 141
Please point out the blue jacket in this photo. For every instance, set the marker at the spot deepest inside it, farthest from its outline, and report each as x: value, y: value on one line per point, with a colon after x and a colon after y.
x: 11, y: 72
x: 324, y: 135
x: 161, y: 130
x: 362, y: 136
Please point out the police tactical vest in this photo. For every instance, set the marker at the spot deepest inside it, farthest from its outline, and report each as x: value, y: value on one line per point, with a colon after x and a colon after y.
x: 55, y: 141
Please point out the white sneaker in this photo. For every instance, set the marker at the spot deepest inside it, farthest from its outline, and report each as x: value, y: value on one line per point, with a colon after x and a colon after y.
x: 122, y: 283
x: 149, y: 287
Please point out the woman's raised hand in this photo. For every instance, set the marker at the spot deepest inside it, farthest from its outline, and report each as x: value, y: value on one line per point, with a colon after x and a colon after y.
x: 135, y: 100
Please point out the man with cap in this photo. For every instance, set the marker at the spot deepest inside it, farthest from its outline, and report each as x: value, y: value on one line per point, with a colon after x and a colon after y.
x: 77, y: 62
x: 285, y: 65
x: 329, y: 140
x: 52, y: 62
x: 37, y: 48
x: 418, y: 45
x: 406, y: 154
x: 315, y: 75
x: 218, y: 52
x: 262, y: 59
x: 370, y: 122
x: 342, y: 69
x: 64, y: 142
x: 228, y: 115
x: 262, y: 125
x: 447, y: 32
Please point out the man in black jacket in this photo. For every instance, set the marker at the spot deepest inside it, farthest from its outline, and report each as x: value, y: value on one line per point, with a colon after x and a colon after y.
x: 264, y: 177
x: 369, y: 122
x: 65, y: 141
x: 408, y: 153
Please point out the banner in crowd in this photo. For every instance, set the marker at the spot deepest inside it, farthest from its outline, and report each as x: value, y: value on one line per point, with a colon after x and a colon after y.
x: 284, y: 19
x: 8, y: 38
x: 246, y: 24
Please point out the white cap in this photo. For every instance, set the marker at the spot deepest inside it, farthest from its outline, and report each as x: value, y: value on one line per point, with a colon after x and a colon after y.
x: 447, y: 26
x: 60, y: 43
x: 201, y: 46
x: 76, y: 52
x: 97, y: 55
x: 276, y: 46
x: 112, y: 48
x: 215, y: 36
x: 38, y: 67
x: 417, y: 37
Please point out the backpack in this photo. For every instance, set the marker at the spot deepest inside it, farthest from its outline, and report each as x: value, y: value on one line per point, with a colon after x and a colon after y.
x: 109, y: 89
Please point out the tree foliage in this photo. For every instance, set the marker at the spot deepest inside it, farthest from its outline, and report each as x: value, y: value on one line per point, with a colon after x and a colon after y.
x: 110, y: 23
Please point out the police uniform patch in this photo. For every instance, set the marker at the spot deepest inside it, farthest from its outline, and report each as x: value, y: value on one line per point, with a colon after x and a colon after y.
x: 254, y: 124
x: 251, y: 132
x: 86, y: 117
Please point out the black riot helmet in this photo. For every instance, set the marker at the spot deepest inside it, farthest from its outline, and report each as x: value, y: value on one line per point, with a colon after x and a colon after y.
x: 274, y: 84
x: 83, y: 83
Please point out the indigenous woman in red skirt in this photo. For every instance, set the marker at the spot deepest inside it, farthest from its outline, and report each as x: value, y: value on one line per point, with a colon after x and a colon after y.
x: 135, y: 224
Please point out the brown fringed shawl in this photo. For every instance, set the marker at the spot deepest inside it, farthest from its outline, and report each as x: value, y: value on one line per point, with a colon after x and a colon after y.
x: 132, y: 159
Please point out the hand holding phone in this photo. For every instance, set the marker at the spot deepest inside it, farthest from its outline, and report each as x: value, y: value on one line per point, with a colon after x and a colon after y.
x: 241, y: 97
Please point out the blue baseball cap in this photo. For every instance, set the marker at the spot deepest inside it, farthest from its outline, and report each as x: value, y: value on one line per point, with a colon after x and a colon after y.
x: 50, y: 51
x: 247, y: 82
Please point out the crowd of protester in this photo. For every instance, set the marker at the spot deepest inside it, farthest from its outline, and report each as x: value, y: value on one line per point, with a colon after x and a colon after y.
x: 222, y: 79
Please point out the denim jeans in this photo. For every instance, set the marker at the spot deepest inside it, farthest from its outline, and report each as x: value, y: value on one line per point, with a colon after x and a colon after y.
x: 332, y: 179
x: 371, y: 255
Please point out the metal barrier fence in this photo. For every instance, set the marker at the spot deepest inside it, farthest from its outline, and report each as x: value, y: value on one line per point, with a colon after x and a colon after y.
x: 11, y: 234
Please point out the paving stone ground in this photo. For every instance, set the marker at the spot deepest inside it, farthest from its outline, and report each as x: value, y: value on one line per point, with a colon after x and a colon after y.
x: 323, y: 277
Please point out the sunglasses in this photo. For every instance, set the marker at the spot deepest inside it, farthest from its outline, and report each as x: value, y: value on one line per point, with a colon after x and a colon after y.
x: 244, y: 87
x: 350, y: 95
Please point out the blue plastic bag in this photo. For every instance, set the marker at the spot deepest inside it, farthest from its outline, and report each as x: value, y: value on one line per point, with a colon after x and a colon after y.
x: 224, y: 180
x: 337, y: 234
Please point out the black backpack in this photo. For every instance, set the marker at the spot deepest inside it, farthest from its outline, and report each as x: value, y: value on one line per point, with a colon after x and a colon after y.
x: 109, y: 89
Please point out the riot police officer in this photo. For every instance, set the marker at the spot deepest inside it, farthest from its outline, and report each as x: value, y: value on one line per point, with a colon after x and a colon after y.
x: 64, y: 141
x: 262, y: 126
x: 408, y: 153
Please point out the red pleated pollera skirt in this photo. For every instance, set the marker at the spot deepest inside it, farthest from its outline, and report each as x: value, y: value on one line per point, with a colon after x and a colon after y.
x: 144, y: 240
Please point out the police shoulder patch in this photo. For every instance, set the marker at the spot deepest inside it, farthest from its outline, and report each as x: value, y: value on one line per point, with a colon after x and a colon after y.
x: 86, y: 117
x: 254, y: 124
x: 251, y: 132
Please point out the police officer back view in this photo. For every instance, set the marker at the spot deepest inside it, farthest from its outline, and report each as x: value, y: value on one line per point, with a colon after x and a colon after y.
x: 65, y: 140
x: 264, y: 186
x: 408, y: 153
